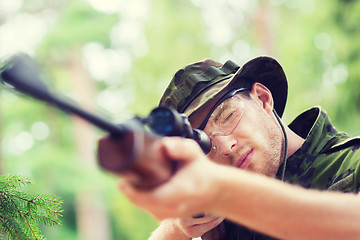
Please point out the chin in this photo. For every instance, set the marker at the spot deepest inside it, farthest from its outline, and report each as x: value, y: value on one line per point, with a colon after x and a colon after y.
x: 262, y: 171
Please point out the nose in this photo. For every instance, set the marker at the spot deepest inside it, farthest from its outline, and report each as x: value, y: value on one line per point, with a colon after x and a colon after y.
x: 225, y: 144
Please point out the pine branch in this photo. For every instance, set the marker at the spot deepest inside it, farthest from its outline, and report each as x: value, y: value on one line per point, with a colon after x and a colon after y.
x: 21, y: 213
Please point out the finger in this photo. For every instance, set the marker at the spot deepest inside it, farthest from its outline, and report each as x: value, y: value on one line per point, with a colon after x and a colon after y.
x: 134, y: 195
x: 127, y: 189
x: 189, y: 221
x: 181, y: 149
x: 147, y: 200
x: 200, y: 229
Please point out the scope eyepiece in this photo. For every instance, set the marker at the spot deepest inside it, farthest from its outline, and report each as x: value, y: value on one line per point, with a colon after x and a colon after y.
x: 166, y: 121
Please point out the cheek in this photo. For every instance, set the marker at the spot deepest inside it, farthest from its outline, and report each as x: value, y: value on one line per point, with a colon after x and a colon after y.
x: 265, y: 140
x: 267, y: 156
x: 266, y: 168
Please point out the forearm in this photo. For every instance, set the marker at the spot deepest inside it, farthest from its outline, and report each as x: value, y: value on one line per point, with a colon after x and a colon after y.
x: 168, y: 230
x: 258, y: 202
x: 286, y: 211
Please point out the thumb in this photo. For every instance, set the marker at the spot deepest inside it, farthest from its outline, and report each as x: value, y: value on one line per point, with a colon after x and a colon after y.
x: 181, y: 149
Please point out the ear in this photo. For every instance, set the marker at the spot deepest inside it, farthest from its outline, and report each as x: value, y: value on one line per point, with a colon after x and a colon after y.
x: 262, y: 96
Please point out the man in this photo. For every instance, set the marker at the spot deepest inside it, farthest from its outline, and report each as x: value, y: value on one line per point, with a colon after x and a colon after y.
x: 238, y: 108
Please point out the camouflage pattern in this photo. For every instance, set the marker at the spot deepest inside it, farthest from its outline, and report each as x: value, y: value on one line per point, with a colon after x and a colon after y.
x: 328, y: 159
x: 197, y: 83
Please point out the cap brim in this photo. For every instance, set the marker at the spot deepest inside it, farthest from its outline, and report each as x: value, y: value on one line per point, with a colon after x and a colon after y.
x: 264, y: 70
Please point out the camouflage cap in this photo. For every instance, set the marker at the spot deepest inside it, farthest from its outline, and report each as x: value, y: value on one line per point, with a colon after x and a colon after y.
x: 198, y: 83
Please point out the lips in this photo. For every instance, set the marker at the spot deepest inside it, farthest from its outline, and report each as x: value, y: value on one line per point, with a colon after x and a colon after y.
x: 244, y: 159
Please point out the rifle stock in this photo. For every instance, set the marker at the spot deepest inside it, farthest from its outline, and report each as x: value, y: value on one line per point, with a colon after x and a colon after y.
x: 131, y: 139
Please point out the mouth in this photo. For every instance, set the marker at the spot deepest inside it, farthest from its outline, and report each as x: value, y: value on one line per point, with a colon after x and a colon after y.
x: 244, y: 159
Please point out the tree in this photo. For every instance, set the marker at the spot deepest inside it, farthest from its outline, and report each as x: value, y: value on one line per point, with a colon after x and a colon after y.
x: 21, y: 213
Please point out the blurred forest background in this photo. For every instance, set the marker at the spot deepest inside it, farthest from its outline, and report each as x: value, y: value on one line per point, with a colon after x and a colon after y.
x: 115, y: 57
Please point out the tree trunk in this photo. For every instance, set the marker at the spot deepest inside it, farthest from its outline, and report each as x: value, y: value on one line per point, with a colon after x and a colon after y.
x: 92, y: 219
x: 263, y: 23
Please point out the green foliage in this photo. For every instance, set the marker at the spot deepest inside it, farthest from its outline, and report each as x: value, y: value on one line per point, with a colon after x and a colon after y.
x: 21, y: 214
x: 79, y: 24
x: 176, y: 33
x: 345, y: 21
x: 176, y: 36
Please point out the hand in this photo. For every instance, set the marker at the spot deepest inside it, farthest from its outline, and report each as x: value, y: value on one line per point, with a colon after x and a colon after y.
x: 137, y: 157
x: 196, y: 227
x: 190, y: 190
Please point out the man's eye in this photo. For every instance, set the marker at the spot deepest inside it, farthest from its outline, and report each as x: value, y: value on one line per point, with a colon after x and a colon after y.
x: 228, y: 116
x: 224, y: 118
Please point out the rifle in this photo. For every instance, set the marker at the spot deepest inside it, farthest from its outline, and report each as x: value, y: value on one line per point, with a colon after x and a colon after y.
x: 134, y: 135
x: 132, y: 138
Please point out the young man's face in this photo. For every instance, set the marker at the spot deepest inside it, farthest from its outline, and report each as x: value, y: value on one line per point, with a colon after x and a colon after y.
x: 255, y: 144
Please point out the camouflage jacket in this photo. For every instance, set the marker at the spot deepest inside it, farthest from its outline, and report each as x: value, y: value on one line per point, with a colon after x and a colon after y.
x: 328, y: 160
